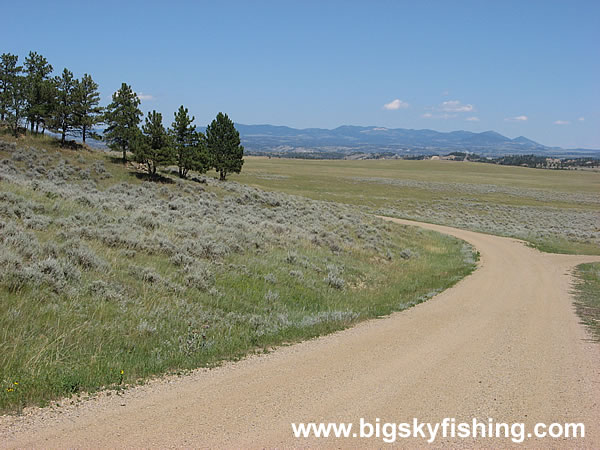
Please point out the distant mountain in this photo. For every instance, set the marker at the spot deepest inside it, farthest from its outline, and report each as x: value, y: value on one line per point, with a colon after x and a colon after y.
x: 376, y: 141
x: 349, y: 139
x: 524, y: 140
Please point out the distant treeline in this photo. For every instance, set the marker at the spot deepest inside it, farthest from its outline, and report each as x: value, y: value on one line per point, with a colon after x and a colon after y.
x: 547, y: 162
x: 31, y: 98
x: 533, y: 161
x: 324, y: 155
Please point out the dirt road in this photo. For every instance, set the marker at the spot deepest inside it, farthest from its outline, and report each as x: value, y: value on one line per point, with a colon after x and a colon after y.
x: 504, y: 343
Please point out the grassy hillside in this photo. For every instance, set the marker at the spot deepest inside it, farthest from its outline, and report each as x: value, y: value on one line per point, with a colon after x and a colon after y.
x: 109, y: 278
x: 557, y: 211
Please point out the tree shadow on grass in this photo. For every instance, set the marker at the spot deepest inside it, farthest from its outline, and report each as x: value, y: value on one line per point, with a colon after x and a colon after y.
x: 157, y: 178
x: 195, y: 179
x: 71, y: 145
x: 198, y: 180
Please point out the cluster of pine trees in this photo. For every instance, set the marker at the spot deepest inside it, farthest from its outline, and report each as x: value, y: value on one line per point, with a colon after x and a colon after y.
x: 181, y: 144
x: 71, y: 107
x: 61, y: 103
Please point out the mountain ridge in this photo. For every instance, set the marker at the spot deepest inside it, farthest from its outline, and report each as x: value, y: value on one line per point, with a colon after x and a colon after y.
x: 375, y: 141
x: 349, y: 139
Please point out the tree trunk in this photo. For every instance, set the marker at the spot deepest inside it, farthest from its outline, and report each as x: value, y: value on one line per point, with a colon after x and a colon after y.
x: 124, y: 156
x: 62, y: 138
x: 32, y: 123
x: 84, y: 130
x: 222, y: 175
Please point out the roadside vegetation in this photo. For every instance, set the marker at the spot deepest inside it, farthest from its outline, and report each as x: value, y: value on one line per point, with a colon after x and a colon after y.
x: 556, y: 211
x: 587, y: 296
x: 111, y: 276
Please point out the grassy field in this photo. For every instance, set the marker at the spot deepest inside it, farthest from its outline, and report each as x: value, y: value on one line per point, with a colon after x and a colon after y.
x: 109, y: 278
x: 587, y: 292
x: 557, y: 211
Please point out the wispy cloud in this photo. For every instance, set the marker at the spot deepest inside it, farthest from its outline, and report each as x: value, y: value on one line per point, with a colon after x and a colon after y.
x: 448, y: 110
x: 428, y: 115
x: 517, y: 119
x: 472, y: 119
x: 144, y: 97
x: 561, y: 122
x: 455, y: 106
x: 396, y: 104
x: 581, y: 119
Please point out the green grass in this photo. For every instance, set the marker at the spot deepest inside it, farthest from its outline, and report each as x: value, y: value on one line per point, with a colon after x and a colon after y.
x: 557, y: 211
x: 587, y: 296
x: 322, y: 177
x: 564, y: 246
x: 138, y: 315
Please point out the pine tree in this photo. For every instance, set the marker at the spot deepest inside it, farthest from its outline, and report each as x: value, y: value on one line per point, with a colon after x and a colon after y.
x: 17, y: 102
x: 64, y: 116
x: 49, y: 102
x: 9, y: 70
x: 223, y: 143
x: 37, y: 70
x: 154, y: 148
x: 122, y: 117
x: 189, y: 145
x: 87, y: 111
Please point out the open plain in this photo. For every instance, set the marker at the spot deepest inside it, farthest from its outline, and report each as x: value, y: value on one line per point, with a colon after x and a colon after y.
x: 555, y: 210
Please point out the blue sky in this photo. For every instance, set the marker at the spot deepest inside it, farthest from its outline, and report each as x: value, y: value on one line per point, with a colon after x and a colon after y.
x: 518, y: 67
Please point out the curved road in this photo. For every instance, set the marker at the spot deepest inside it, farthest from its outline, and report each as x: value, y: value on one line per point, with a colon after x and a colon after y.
x: 504, y: 343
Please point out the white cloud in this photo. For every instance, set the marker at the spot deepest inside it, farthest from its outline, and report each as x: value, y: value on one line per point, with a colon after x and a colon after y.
x: 581, y: 119
x: 472, y: 119
x: 445, y: 93
x: 144, y: 97
x: 517, y: 119
x: 396, y: 104
x: 455, y: 106
x: 561, y: 122
x: 428, y: 115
